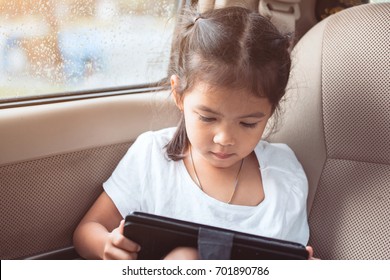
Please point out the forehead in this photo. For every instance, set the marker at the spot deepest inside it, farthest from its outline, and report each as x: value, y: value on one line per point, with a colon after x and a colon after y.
x: 207, y: 91
x: 222, y: 98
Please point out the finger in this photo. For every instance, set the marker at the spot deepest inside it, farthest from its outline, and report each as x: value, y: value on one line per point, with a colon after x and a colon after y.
x: 121, y: 227
x: 120, y: 241
x: 114, y: 253
x: 311, y: 253
x: 309, y: 249
x: 128, y: 245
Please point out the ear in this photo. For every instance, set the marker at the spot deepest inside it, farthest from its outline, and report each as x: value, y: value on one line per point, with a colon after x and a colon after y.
x: 176, y: 96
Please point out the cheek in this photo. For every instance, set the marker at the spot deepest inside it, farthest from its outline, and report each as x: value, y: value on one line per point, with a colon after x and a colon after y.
x: 192, y: 127
x: 252, y: 139
x: 254, y: 136
x: 190, y: 122
x: 197, y: 133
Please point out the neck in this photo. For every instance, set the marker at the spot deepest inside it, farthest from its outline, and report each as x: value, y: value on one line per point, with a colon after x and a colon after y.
x: 221, y: 180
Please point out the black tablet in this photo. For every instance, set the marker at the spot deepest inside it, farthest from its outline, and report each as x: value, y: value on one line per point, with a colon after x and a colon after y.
x: 158, y: 235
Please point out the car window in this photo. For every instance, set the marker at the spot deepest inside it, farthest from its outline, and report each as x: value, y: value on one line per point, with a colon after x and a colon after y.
x: 61, y: 46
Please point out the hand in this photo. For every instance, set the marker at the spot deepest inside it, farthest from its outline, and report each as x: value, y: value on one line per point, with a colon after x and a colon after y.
x: 311, y: 253
x: 118, y: 247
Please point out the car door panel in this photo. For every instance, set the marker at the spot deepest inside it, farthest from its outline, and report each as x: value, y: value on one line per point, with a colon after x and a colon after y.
x: 54, y: 159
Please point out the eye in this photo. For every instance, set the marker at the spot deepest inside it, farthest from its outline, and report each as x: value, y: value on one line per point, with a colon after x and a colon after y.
x: 206, y: 119
x: 249, y: 125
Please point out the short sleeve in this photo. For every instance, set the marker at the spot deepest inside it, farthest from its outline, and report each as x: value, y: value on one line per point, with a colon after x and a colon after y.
x: 296, y: 227
x: 126, y: 185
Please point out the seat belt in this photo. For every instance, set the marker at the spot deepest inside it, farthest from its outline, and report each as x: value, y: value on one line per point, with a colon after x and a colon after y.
x: 282, y: 13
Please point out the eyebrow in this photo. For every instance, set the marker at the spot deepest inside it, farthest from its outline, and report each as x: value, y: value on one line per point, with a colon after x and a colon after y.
x: 251, y: 115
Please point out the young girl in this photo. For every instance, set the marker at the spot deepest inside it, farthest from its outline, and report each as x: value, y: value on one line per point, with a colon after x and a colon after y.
x: 231, y: 72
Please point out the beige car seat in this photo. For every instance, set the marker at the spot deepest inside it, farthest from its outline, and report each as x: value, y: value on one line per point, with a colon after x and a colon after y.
x: 337, y: 120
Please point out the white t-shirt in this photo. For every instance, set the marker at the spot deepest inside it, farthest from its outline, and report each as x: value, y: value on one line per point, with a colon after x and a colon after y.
x: 147, y: 180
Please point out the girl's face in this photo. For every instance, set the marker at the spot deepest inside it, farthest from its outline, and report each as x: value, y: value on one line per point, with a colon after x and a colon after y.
x: 223, y: 125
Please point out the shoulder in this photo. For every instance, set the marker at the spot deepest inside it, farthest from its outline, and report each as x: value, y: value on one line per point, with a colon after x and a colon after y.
x: 147, y: 149
x: 155, y: 139
x: 280, y: 161
x: 150, y: 145
x: 277, y: 155
x: 163, y: 136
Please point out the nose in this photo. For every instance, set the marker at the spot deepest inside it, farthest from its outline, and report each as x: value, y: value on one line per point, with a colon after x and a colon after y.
x: 224, y: 137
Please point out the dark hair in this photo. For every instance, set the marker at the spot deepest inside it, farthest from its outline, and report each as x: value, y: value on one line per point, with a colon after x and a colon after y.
x: 230, y: 47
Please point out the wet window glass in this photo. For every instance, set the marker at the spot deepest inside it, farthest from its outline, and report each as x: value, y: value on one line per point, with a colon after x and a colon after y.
x: 56, y: 46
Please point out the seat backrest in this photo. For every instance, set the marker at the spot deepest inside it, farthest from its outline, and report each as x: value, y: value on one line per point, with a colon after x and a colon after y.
x: 282, y: 13
x: 337, y: 120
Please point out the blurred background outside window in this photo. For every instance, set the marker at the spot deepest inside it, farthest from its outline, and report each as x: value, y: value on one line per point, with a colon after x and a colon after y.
x: 53, y: 46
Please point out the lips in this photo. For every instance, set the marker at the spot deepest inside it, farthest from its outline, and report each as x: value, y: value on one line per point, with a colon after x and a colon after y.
x: 222, y: 155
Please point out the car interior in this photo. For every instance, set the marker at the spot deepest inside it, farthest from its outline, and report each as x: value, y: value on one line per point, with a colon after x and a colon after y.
x: 56, y: 151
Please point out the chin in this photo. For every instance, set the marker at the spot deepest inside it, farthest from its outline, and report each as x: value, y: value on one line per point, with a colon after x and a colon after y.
x: 223, y: 163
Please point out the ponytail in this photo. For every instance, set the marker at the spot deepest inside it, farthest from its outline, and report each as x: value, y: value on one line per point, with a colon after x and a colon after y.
x: 177, y: 147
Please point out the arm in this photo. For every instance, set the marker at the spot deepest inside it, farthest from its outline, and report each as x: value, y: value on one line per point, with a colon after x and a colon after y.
x: 100, y: 233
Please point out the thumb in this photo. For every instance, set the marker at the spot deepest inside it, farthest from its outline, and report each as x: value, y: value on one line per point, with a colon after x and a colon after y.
x: 121, y: 227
